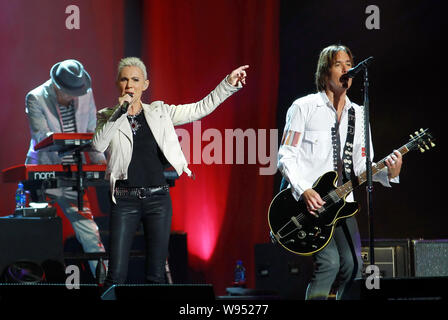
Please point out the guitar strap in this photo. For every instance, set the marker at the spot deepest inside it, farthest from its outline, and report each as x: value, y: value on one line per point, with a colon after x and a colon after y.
x: 344, y: 165
x: 348, y: 148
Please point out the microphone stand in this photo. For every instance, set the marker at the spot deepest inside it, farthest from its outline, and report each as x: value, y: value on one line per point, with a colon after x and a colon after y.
x: 369, y: 186
x: 351, y: 74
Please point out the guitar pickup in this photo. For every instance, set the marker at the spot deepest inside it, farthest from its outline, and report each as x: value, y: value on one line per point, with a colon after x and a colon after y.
x: 296, y: 222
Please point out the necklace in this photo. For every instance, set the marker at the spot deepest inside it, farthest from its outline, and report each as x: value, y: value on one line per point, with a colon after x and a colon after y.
x: 135, y: 125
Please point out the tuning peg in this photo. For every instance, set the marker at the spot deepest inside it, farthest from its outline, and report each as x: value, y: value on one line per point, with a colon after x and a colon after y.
x: 421, y: 149
x: 432, y: 144
x: 412, y: 137
x: 421, y: 130
x: 426, y: 146
x: 416, y: 133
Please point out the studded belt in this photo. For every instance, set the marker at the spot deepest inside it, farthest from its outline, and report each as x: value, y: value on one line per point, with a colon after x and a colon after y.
x: 141, y: 193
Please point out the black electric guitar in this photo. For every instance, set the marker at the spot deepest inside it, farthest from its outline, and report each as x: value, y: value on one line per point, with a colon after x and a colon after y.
x: 302, y: 233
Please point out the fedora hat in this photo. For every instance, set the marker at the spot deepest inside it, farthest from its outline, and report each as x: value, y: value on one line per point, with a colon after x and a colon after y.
x: 70, y: 77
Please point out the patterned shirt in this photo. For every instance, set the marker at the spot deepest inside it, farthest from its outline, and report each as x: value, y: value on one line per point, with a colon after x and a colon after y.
x: 68, y: 125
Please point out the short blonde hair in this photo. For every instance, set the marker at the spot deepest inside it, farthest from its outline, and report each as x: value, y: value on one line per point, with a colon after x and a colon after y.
x: 325, y: 62
x: 132, y: 62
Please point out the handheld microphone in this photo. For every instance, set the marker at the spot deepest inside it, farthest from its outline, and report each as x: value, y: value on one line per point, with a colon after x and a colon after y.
x: 125, y: 105
x: 351, y: 73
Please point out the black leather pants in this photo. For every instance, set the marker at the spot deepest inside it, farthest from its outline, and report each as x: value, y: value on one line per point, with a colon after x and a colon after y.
x: 155, y: 213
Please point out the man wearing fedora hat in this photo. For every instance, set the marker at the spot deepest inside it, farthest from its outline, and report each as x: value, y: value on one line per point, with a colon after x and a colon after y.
x: 65, y: 103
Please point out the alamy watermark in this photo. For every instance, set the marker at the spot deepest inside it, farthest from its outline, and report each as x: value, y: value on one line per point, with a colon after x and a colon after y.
x: 233, y: 146
x: 373, y: 20
x: 373, y: 280
x: 73, y: 20
x: 73, y: 277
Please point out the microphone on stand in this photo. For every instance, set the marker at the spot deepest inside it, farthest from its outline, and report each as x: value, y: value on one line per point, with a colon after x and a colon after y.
x: 351, y: 73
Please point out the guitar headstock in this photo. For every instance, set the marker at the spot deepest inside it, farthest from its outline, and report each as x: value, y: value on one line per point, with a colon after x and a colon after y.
x: 422, y: 140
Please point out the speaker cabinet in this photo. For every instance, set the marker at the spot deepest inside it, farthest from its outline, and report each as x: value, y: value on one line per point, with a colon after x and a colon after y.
x: 281, y: 272
x: 178, y: 257
x: 37, y: 240
x: 430, y: 258
x: 392, y: 256
x: 384, y: 259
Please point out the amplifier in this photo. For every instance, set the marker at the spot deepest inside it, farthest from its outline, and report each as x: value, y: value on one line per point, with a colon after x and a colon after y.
x: 430, y: 258
x: 32, y: 239
x: 282, y: 273
x: 392, y: 256
x: 384, y: 259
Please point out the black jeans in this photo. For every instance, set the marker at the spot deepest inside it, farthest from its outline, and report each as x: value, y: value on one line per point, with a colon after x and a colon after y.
x: 155, y: 213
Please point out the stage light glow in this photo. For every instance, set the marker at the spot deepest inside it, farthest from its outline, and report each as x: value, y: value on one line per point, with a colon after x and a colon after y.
x: 199, y: 210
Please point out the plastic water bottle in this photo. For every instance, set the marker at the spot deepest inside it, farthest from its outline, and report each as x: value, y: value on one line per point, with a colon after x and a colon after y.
x: 239, y: 275
x: 20, y: 196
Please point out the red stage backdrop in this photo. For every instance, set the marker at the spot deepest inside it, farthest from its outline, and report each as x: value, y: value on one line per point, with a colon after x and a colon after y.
x: 34, y: 36
x: 189, y: 47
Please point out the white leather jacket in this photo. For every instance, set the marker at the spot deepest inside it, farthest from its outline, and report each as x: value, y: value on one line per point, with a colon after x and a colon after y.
x: 113, y: 132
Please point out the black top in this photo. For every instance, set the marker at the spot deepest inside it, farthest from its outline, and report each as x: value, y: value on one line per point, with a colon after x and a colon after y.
x: 147, y: 162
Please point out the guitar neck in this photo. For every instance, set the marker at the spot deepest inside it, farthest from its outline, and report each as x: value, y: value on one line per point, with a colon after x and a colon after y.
x: 349, y: 186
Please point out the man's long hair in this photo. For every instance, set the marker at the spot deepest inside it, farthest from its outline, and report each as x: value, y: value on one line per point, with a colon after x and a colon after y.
x: 326, y: 60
